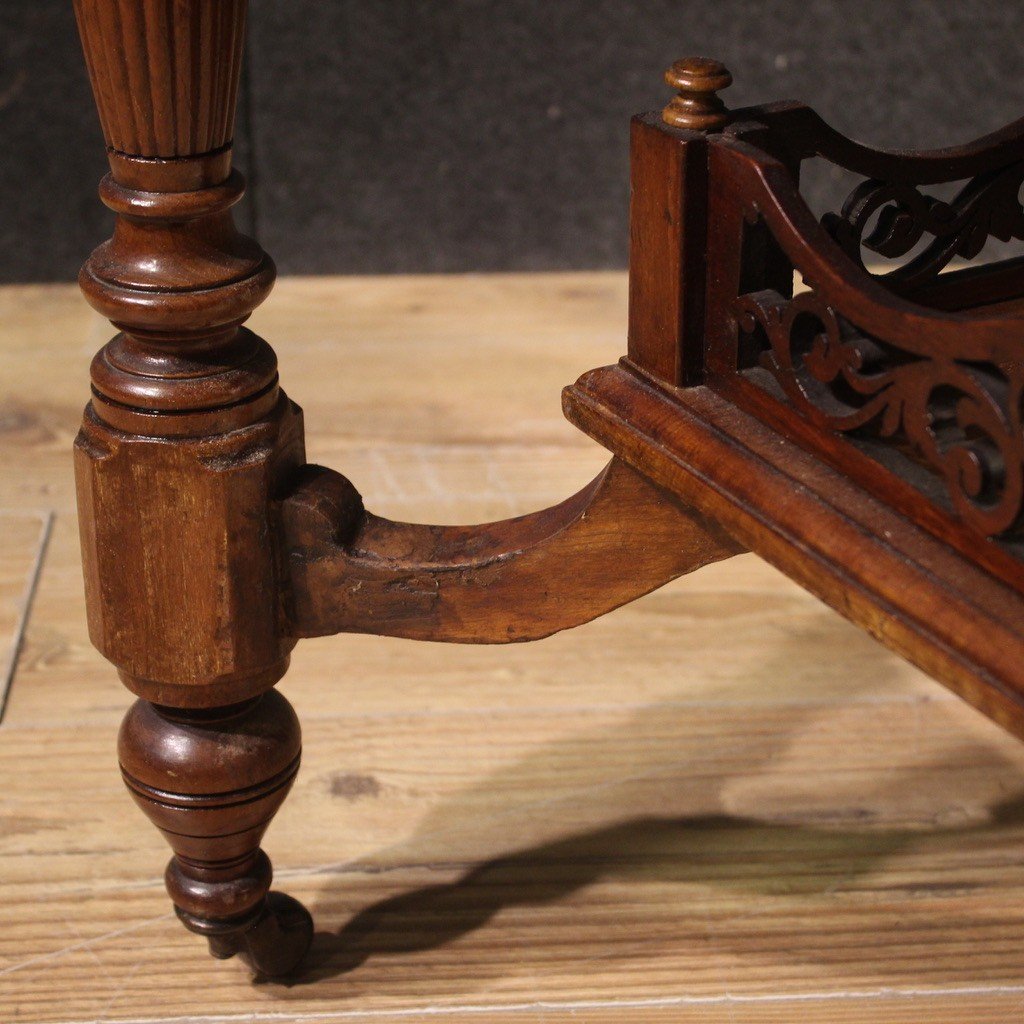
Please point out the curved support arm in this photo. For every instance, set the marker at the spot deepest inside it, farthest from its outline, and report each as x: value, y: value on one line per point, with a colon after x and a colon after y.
x: 849, y: 289
x: 807, y: 134
x: 504, y: 582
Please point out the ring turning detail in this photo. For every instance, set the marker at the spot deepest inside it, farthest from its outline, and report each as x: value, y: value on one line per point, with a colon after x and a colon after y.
x: 864, y: 436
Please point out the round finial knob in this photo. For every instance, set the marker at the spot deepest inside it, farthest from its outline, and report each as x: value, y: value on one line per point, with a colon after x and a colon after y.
x: 698, y: 80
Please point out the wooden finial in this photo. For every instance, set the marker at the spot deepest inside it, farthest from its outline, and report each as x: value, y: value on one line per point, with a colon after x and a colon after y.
x: 697, y: 107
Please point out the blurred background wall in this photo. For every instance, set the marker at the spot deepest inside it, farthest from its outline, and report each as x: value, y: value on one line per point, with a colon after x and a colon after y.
x: 385, y: 136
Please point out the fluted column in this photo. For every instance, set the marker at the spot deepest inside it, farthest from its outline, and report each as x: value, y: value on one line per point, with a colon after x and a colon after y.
x: 183, y: 448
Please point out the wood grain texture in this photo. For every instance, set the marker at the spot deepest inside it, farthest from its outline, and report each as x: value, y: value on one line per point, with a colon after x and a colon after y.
x: 185, y: 442
x: 722, y: 803
x: 910, y: 591
x: 514, y: 580
x: 697, y: 105
x: 164, y: 74
x: 23, y: 544
x: 145, y: 515
x: 667, y: 235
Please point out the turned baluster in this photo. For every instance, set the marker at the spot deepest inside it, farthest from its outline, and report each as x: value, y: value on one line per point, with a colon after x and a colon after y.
x: 183, y: 447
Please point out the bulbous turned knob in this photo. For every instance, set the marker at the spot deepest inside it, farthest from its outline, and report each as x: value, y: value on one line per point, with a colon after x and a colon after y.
x: 697, y: 107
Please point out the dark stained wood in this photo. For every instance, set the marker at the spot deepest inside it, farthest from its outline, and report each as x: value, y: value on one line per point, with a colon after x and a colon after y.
x: 185, y: 441
x: 210, y: 546
x: 165, y: 75
x: 892, y: 219
x: 941, y: 354
x: 199, y: 576
x: 667, y: 262
x: 154, y: 517
x: 912, y: 592
x: 974, y: 287
x: 901, y: 493
x: 800, y: 133
x: 211, y: 781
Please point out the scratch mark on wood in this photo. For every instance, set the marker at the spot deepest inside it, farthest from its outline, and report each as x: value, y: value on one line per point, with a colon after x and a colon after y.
x: 56, y: 954
x: 31, y: 585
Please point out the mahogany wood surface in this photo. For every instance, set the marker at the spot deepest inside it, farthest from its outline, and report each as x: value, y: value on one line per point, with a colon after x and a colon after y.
x: 183, y: 445
x: 210, y: 546
x: 667, y: 249
x: 912, y: 592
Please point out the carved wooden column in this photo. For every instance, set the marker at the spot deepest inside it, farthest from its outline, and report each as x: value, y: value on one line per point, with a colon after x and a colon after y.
x: 184, y: 446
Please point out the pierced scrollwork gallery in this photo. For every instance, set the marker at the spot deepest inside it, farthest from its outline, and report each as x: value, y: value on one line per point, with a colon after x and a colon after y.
x: 962, y: 420
x: 988, y: 206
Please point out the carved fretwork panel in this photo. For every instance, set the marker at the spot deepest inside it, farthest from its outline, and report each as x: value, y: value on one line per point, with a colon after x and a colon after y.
x: 891, y: 218
x: 960, y: 419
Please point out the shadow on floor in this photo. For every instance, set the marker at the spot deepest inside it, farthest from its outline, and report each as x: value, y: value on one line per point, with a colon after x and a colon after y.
x: 710, y: 850
x: 700, y: 845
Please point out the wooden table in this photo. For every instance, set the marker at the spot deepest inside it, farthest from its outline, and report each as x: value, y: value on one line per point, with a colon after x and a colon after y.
x: 721, y: 804
x: 864, y: 437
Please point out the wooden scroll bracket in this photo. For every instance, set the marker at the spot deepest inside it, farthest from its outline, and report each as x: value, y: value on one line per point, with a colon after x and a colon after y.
x: 518, y: 579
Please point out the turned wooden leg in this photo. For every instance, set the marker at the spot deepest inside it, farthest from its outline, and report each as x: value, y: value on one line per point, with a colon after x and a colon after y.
x: 211, y: 780
x: 187, y: 444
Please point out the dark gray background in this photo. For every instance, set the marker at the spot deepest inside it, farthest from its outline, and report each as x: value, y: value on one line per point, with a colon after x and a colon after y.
x: 447, y: 135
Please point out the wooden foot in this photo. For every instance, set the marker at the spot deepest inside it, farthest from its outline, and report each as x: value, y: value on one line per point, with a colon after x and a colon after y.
x: 211, y: 781
x: 273, y: 943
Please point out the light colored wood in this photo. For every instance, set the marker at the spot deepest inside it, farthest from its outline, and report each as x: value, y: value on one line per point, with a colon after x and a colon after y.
x: 23, y: 540
x: 722, y: 803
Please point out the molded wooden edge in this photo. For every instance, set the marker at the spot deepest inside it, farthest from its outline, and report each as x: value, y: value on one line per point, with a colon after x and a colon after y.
x: 514, y: 580
x: 808, y: 134
x: 910, y: 591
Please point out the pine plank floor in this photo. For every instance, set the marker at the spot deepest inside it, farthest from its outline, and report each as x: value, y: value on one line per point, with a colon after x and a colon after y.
x: 720, y: 804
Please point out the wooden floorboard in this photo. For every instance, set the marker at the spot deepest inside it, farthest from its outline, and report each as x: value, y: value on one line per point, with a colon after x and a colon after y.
x: 720, y: 804
x: 24, y: 538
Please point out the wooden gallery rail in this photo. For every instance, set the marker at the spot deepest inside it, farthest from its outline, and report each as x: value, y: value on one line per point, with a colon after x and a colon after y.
x: 863, y: 435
